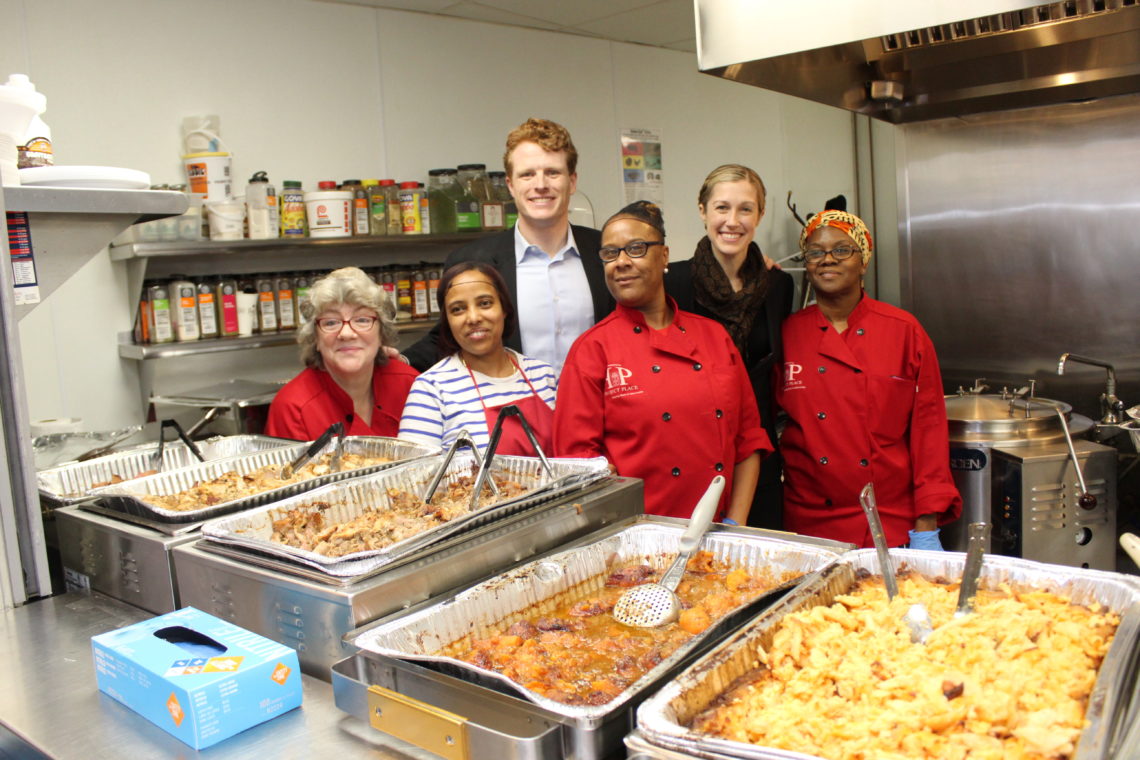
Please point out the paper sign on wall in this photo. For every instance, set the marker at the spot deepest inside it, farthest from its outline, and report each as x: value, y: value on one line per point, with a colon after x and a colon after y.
x: 642, y: 175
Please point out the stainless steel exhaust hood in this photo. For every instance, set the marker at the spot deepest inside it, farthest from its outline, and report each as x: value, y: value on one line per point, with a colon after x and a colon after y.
x: 913, y: 60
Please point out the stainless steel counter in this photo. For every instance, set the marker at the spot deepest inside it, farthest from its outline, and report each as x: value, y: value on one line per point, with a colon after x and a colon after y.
x: 48, y: 697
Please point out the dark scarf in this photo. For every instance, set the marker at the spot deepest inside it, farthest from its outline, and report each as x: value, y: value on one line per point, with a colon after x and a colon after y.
x: 735, y: 310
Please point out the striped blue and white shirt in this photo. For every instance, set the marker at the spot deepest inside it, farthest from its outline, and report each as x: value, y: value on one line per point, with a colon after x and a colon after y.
x: 443, y: 400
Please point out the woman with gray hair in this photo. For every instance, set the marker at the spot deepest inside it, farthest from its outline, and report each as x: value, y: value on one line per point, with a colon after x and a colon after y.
x: 348, y: 323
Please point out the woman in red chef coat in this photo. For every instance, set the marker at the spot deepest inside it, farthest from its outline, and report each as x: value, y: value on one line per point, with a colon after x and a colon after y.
x: 348, y: 376
x: 863, y: 394
x: 660, y: 392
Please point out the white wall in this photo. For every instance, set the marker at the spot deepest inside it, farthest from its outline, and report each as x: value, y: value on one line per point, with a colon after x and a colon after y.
x: 312, y: 90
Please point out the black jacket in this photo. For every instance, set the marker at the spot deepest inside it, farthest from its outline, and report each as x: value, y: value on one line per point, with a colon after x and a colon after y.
x: 766, y: 511
x: 498, y: 250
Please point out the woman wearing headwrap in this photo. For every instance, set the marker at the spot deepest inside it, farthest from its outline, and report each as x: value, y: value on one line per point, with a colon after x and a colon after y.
x: 727, y: 280
x: 863, y: 394
x: 660, y: 392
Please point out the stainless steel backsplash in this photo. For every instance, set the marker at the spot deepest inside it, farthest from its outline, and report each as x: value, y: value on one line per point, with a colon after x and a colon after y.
x: 1020, y: 240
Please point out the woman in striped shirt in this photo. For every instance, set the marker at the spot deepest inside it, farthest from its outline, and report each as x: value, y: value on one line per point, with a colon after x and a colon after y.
x: 466, y: 390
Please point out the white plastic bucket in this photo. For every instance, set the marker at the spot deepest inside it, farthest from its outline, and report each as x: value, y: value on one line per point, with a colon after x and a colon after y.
x: 330, y: 213
x: 227, y: 219
x: 208, y: 175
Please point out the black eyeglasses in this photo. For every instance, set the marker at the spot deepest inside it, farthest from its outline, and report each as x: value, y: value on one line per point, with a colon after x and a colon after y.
x: 336, y: 324
x: 634, y: 250
x: 842, y: 253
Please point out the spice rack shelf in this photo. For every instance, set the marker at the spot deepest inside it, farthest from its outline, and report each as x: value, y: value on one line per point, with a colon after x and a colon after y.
x: 128, y: 349
x: 204, y: 258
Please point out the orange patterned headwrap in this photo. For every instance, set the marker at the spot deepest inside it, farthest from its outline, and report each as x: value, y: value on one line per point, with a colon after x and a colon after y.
x: 841, y: 220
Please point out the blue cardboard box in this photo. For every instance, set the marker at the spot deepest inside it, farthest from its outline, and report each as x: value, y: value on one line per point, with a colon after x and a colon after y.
x: 198, y: 677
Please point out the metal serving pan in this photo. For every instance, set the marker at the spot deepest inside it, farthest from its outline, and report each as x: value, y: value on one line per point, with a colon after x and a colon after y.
x: 419, y: 637
x: 68, y: 484
x: 253, y: 529
x: 127, y: 497
x: 663, y: 720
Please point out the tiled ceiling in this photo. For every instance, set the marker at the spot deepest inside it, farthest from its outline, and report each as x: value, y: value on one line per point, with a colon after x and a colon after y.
x: 661, y: 23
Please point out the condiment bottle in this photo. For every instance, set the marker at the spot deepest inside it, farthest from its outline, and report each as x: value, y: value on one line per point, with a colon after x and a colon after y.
x: 302, y: 284
x: 360, y: 213
x: 477, y: 186
x: 261, y: 208
x: 377, y: 207
x: 142, y: 316
x: 266, y: 305
x: 207, y: 310
x: 392, y: 203
x: 225, y: 290
x: 433, y: 276
x: 420, y: 308
x: 444, y: 200
x: 159, y: 313
x: 185, y: 297
x: 388, y: 284
x: 411, y: 196
x: 502, y: 194
x: 286, y: 314
x: 403, y: 295
x: 293, y: 210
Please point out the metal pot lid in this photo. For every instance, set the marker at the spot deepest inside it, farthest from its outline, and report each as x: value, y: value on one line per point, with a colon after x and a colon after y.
x: 992, y: 417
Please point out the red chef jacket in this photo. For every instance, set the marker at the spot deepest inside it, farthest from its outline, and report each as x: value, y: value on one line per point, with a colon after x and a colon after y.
x: 864, y: 406
x: 312, y: 401
x: 673, y: 407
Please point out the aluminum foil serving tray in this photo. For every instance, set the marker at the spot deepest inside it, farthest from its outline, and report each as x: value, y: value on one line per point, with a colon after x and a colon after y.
x: 663, y: 720
x: 253, y: 529
x: 595, y: 731
x: 68, y: 484
x: 128, y: 497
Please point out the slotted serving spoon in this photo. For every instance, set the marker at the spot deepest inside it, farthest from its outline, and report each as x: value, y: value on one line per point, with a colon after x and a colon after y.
x: 654, y: 604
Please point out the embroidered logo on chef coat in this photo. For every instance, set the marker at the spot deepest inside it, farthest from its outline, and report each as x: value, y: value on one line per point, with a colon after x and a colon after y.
x: 617, y: 382
x: 791, y: 376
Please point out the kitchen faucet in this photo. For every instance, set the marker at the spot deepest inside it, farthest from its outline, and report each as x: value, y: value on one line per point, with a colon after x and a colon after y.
x: 1110, y: 406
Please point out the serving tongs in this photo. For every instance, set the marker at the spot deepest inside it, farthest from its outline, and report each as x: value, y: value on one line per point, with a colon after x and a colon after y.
x: 509, y: 410
x: 916, y: 617
x: 463, y: 439
x: 337, y: 429
x: 654, y: 604
x: 107, y: 448
x: 156, y: 461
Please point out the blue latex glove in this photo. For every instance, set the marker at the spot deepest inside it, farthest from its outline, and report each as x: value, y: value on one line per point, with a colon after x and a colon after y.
x: 927, y: 540
x: 729, y: 521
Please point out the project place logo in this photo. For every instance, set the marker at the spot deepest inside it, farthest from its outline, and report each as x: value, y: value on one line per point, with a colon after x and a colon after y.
x: 617, y: 382
x: 791, y: 376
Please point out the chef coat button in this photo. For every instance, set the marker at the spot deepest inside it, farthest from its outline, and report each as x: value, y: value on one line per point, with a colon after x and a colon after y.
x: 821, y: 415
x: 719, y: 467
x: 666, y: 416
x: 656, y: 368
x: 676, y: 471
x: 863, y: 463
x: 682, y: 329
x: 859, y: 331
x: 719, y: 413
x: 697, y: 367
x: 827, y: 502
x: 822, y: 370
x: 637, y: 329
x: 823, y: 460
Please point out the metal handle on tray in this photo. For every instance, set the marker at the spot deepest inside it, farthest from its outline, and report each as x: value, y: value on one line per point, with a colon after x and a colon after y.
x: 978, y: 534
x: 463, y: 439
x: 156, y: 457
x: 337, y: 428
x: 871, y: 509
x: 418, y: 723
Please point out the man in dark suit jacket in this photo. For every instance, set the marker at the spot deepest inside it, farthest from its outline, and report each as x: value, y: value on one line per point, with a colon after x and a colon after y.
x: 563, y: 281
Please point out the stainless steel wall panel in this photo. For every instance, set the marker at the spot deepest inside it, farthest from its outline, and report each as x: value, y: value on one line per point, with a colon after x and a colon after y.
x: 1020, y: 240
